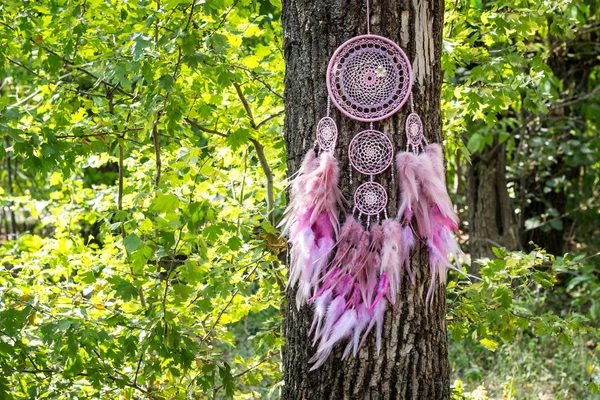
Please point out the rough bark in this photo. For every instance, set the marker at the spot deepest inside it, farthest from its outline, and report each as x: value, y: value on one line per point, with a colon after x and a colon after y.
x: 492, y: 221
x: 413, y: 363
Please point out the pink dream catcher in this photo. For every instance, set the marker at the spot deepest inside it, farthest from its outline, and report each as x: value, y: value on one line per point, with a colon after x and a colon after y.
x: 370, y: 152
x: 347, y: 273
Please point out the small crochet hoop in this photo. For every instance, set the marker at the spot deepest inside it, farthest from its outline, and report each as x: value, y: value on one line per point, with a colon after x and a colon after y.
x: 370, y: 199
x: 414, y: 133
x: 327, y: 133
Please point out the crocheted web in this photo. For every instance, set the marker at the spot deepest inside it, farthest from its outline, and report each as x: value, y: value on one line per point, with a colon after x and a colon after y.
x: 327, y: 133
x: 371, y: 152
x: 369, y: 78
x: 370, y: 198
x: 414, y: 129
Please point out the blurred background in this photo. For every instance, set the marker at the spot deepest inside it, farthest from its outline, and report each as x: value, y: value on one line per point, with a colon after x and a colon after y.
x: 143, y: 149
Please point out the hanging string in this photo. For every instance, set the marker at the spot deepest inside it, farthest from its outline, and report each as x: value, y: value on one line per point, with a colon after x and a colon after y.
x: 368, y: 19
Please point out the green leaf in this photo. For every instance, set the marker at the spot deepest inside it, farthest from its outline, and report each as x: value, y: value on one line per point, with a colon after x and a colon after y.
x: 227, y: 379
x: 238, y: 138
x: 165, y: 203
x: 489, y: 344
x: 166, y: 82
x: 132, y: 242
x: 123, y: 288
x: 141, y: 42
x: 476, y: 143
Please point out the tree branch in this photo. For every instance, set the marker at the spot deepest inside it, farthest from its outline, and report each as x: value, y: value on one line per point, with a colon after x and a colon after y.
x: 270, y: 117
x: 262, y: 158
x: 259, y: 79
x: 224, y: 18
x: 82, y: 374
x: 83, y: 70
x: 244, y: 372
x: 260, y: 153
x: 204, y: 129
x: 575, y: 100
x: 244, y: 101
x: 233, y: 295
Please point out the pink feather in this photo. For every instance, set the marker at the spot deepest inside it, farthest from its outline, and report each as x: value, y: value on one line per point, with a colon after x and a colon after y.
x: 433, y: 182
x: 363, y: 319
x: 334, y: 312
x: 383, y: 291
x: 342, y: 329
x: 351, y: 231
x: 303, y: 241
x: 311, y: 222
x: 439, y: 218
x: 376, y: 238
x: 408, y: 241
x: 319, y: 248
x: 376, y: 319
x: 330, y: 280
x: 392, y: 254
x: 407, y: 165
x: 322, y: 190
x: 297, y: 199
x: 344, y: 285
x: 354, y: 299
x: 368, y: 277
x: 349, y: 238
x: 319, y: 311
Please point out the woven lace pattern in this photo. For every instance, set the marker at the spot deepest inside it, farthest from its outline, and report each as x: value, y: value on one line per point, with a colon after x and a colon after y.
x: 327, y: 134
x: 414, y: 133
x: 369, y: 78
x: 371, y: 152
x: 370, y: 198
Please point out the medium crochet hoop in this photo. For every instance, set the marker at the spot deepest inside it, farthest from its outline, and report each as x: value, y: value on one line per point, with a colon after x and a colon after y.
x: 370, y: 198
x: 369, y: 78
x: 371, y: 152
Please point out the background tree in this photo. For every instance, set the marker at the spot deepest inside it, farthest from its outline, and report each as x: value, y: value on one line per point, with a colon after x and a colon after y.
x: 523, y: 86
x: 414, y: 362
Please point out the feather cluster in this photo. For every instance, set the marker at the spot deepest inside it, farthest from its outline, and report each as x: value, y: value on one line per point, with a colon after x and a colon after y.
x: 365, y: 277
x: 424, y: 197
x: 311, y: 221
x: 351, y: 275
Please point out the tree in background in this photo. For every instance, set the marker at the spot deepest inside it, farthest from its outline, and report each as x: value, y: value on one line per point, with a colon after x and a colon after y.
x: 524, y: 87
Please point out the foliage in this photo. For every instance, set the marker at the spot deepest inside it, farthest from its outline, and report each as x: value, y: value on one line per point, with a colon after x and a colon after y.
x: 524, y: 79
x: 523, y: 335
x: 145, y: 287
x: 143, y: 170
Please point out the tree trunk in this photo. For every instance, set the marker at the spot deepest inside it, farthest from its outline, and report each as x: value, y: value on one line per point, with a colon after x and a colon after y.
x: 414, y: 359
x: 492, y: 221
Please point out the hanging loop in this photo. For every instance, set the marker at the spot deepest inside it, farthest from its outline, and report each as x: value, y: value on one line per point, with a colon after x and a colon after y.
x: 368, y: 19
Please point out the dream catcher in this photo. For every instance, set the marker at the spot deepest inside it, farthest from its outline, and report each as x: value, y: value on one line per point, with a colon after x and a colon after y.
x: 351, y: 274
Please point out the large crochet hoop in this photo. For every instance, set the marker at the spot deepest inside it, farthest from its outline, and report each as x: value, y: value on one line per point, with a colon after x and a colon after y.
x: 369, y: 78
